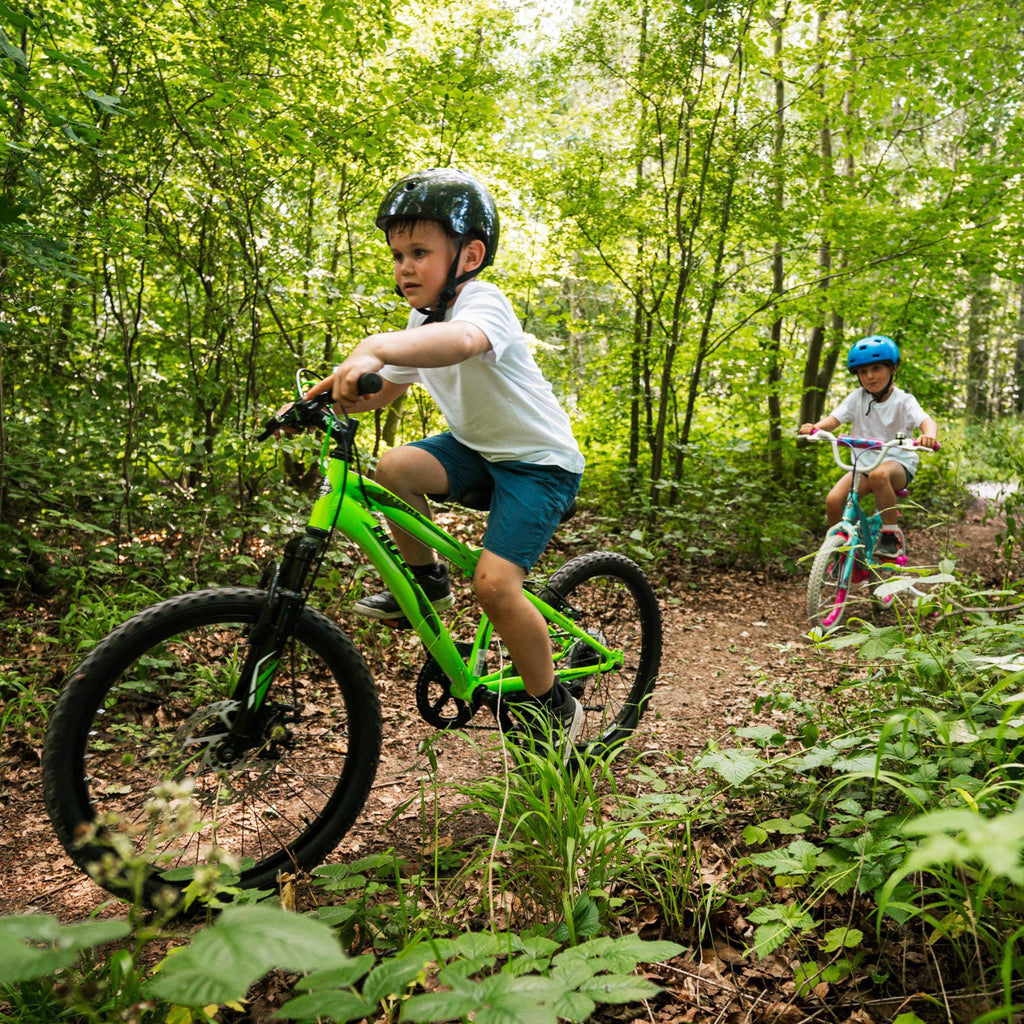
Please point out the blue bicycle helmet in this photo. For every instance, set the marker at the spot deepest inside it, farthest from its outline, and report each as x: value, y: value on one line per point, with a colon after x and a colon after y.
x: 876, y: 348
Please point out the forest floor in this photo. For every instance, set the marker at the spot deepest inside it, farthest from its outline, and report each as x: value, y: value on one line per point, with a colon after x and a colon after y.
x: 729, y: 637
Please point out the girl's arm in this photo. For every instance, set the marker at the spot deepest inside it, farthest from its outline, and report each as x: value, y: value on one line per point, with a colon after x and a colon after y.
x: 829, y: 423
x: 928, y: 437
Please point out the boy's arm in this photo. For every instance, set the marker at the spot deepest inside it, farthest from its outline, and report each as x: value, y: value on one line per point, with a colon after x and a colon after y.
x: 440, y: 344
x: 829, y: 423
x: 928, y: 437
x: 363, y: 403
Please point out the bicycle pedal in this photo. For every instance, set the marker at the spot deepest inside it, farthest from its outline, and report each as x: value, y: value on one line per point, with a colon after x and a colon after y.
x: 400, y: 623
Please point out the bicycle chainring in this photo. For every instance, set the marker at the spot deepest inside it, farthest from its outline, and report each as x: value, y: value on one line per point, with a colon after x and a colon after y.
x: 435, y: 701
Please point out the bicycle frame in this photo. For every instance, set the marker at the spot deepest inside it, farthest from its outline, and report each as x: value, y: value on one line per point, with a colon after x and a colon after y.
x: 352, y: 505
x: 859, y: 530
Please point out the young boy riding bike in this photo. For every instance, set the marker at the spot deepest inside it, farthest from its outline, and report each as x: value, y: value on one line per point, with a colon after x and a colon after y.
x: 878, y: 409
x: 507, y: 432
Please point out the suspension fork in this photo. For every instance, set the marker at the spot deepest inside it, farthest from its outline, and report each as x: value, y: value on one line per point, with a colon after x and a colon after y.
x: 286, y: 598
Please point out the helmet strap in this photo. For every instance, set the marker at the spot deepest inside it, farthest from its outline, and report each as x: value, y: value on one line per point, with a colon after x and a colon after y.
x: 880, y: 396
x: 448, y: 292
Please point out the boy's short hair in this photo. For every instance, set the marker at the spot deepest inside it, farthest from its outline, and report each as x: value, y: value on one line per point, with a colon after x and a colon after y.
x: 403, y: 225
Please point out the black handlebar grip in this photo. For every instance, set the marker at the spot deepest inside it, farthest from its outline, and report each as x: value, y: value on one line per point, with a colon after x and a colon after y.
x: 370, y: 383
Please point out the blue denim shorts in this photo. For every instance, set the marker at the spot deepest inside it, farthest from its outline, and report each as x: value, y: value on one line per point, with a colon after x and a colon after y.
x: 527, y: 503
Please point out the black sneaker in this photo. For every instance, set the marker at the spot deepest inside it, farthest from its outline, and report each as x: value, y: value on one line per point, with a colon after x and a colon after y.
x: 543, y: 728
x: 890, y: 544
x: 383, y: 606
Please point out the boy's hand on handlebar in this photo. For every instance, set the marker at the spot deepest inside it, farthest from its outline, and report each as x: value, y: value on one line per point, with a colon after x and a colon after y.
x: 348, y: 379
x: 927, y: 441
x: 806, y: 428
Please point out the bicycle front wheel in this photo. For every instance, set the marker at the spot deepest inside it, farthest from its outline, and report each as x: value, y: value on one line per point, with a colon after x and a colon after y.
x: 610, y: 597
x: 139, y: 783
x: 827, y: 593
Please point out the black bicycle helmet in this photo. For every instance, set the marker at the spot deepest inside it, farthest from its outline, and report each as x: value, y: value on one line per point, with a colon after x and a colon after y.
x: 457, y: 200
x: 446, y: 195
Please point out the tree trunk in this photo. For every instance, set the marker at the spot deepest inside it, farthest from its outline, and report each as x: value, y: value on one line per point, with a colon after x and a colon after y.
x: 812, y: 398
x: 778, y: 278
x: 978, y: 319
x: 1018, y: 357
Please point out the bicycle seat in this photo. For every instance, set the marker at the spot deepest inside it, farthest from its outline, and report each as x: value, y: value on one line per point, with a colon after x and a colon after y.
x: 481, y: 501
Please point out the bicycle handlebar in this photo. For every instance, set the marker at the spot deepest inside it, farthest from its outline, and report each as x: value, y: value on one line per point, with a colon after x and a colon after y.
x: 865, y: 444
x: 312, y: 412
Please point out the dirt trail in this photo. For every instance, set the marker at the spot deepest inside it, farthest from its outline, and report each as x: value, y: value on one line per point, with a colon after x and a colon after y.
x: 729, y: 637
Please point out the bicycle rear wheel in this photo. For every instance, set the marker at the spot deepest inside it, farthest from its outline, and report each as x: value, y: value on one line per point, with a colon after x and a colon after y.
x: 827, y: 594
x: 610, y: 597
x: 132, y: 765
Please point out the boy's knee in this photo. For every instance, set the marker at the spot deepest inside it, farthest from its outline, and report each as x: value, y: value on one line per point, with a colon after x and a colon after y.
x: 392, y: 465
x: 411, y: 469
x: 496, y: 586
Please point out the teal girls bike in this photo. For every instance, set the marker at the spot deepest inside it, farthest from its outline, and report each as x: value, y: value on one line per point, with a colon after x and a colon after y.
x: 242, y: 722
x: 847, y: 556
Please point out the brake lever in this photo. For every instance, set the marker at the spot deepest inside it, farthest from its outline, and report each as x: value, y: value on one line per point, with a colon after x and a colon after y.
x: 315, y: 411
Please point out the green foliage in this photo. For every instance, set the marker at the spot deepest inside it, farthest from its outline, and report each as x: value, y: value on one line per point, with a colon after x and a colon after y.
x: 536, y: 982
x: 244, y: 943
x: 37, y: 944
x: 907, y: 790
x: 220, y: 964
x: 186, y: 204
x: 557, y: 833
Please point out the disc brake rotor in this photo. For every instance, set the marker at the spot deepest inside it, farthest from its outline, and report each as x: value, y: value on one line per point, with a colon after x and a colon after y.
x: 224, y: 770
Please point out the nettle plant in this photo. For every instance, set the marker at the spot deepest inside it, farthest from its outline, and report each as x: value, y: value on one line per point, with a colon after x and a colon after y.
x: 409, y: 964
x: 488, y: 975
x: 901, y: 788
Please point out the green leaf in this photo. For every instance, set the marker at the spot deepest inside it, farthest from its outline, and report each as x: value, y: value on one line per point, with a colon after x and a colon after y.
x: 586, y: 921
x: 338, y: 977
x: 799, y: 858
x: 734, y: 766
x: 479, y: 945
x: 574, y: 1006
x: 393, y: 977
x: 784, y: 826
x: 244, y: 944
x: 35, y: 945
x: 338, y: 1006
x: 770, y: 936
x: 435, y: 1006
x: 842, y: 938
x: 778, y: 923
x: 618, y: 988
x: 754, y: 835
x: 500, y: 999
x: 108, y: 104
x: 12, y: 52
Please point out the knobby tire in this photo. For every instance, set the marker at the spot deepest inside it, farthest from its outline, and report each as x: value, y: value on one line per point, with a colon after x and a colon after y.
x: 128, y: 734
x: 612, y: 599
x: 824, y: 596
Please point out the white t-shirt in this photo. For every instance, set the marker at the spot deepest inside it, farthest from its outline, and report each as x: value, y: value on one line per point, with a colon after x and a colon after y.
x: 497, y: 402
x: 900, y: 413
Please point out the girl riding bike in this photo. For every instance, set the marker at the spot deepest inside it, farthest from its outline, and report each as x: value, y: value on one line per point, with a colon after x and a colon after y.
x: 878, y: 409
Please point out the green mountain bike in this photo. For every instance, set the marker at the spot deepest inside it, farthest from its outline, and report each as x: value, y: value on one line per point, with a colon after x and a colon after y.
x: 241, y: 721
